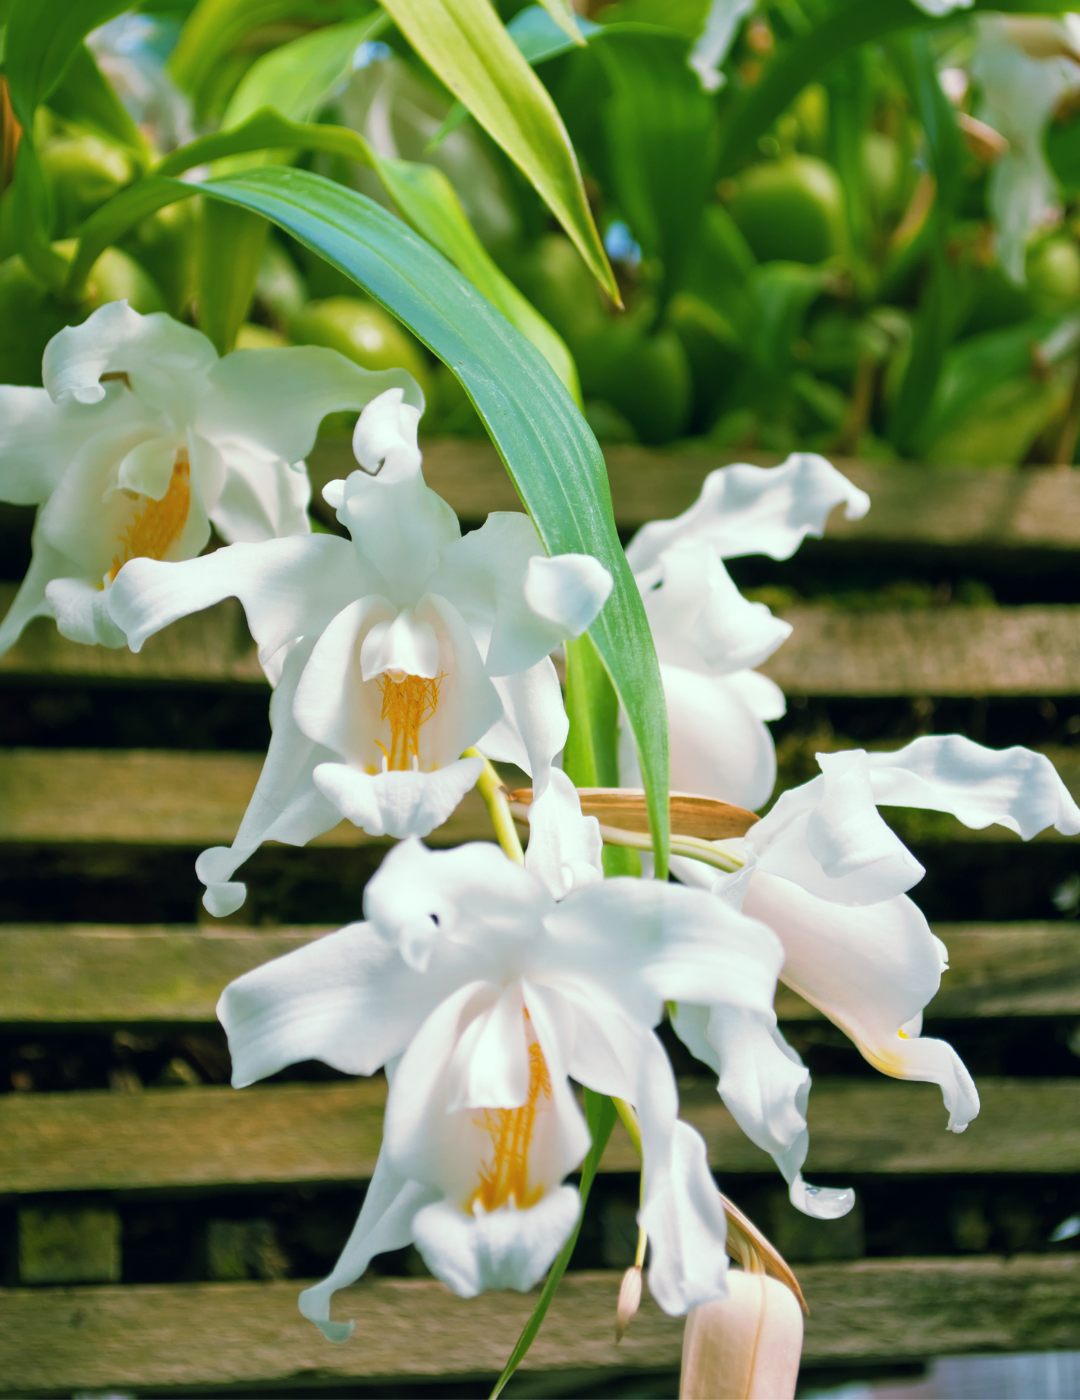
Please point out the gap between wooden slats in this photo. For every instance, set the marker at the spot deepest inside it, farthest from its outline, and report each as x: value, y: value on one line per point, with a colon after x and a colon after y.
x: 216, y: 1136
x: 224, y: 1334
x: 68, y: 975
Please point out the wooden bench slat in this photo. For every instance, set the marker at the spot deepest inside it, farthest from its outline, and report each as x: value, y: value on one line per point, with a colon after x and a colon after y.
x: 1027, y: 650
x: 222, y: 1334
x: 158, y: 797
x: 76, y: 974
x: 1030, y: 509
x: 214, y: 1136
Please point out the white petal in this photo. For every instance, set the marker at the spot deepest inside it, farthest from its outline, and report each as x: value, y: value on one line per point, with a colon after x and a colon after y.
x: 385, y: 1222
x: 46, y: 564
x: 714, y: 42
x: 473, y: 895
x: 148, y: 467
x: 397, y: 803
x: 398, y: 524
x: 288, y: 588
x: 567, y: 591
x: 755, y: 510
x: 82, y: 612
x: 533, y: 726
x: 403, y: 643
x: 38, y: 438
x: 285, y: 806
x: 347, y: 999
x: 762, y: 697
x: 507, y: 589
x: 828, y: 837
x: 504, y: 1248
x: 1015, y: 787
x: 262, y: 497
x: 166, y: 363
x: 276, y: 399
x: 719, y: 747
x: 699, y: 619
x: 565, y: 848
x: 684, y: 1219
x: 649, y: 942
x: 871, y: 970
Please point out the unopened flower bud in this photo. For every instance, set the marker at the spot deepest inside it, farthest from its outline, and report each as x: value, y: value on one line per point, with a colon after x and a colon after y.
x: 629, y: 1300
x: 744, y: 1347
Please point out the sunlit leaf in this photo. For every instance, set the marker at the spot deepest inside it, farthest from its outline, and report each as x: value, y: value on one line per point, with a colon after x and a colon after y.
x: 562, y: 12
x: 465, y: 45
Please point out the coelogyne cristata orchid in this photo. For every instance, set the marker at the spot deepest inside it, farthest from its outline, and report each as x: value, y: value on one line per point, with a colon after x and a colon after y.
x: 142, y: 438
x: 826, y: 873
x: 708, y: 637
x: 403, y: 649
x: 481, y: 993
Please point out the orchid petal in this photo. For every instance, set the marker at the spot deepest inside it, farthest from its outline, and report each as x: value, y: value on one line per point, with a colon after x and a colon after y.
x: 755, y: 510
x: 275, y: 399
x: 397, y: 803
x: 39, y: 438
x: 871, y: 970
x: 504, y: 1248
x: 699, y: 619
x: 46, y: 564
x: 719, y: 748
x: 262, y: 497
x: 385, y: 1222
x: 347, y: 999
x: 533, y: 726
x: 288, y: 588
x: 82, y: 612
x: 565, y: 848
x: 1015, y: 787
x: 163, y: 359
x: 762, y: 696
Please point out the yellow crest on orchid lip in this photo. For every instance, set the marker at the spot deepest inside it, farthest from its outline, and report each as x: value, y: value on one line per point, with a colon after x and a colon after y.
x: 511, y: 1130
x: 407, y: 703
x: 157, y: 525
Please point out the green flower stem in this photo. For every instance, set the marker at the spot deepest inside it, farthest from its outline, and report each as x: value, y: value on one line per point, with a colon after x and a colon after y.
x: 492, y: 791
x: 692, y: 846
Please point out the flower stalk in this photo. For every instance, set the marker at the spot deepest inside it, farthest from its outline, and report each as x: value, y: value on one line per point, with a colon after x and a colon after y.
x: 491, y: 789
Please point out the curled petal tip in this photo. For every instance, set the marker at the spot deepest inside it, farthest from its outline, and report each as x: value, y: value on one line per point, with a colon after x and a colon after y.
x: 629, y: 1300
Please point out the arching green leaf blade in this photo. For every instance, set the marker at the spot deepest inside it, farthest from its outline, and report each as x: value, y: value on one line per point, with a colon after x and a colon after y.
x: 549, y: 450
x: 464, y: 43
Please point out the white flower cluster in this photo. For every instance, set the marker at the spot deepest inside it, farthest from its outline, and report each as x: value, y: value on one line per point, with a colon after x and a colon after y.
x: 484, y: 988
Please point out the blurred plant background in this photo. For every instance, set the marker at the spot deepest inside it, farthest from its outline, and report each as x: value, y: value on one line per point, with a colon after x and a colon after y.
x: 839, y: 227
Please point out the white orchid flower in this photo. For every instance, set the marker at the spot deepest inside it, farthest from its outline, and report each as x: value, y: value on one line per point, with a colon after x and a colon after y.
x: 482, y: 995
x: 142, y: 438
x: 708, y: 637
x: 825, y: 872
x: 402, y: 649
x: 1019, y: 93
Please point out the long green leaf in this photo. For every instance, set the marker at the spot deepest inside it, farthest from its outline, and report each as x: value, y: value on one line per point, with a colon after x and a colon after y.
x: 466, y: 46
x: 297, y: 78
x: 562, y: 12
x: 41, y: 38
x: 600, y: 1115
x: 423, y: 194
x: 550, y: 452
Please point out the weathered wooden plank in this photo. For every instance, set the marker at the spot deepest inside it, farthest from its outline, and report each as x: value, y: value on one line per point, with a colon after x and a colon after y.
x: 77, y: 974
x: 157, y: 797
x: 212, y: 1136
x: 1030, y: 509
x: 251, y: 1334
x: 178, y: 798
x: 1030, y: 650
